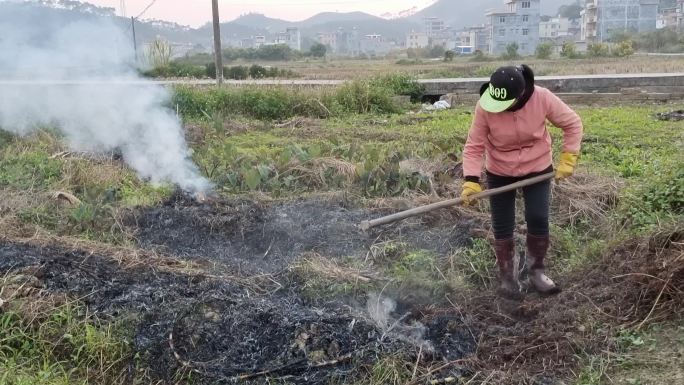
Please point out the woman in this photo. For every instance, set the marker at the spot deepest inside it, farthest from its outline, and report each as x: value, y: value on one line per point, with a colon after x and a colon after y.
x: 509, y: 130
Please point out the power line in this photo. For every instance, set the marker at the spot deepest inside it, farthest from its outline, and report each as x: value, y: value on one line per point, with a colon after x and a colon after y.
x: 146, y: 8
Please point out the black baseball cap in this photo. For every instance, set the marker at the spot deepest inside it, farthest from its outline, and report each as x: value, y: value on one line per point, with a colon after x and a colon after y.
x: 505, y: 86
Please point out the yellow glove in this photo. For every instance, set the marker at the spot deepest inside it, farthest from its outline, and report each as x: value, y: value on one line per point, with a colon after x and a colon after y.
x: 566, y: 166
x: 470, y: 188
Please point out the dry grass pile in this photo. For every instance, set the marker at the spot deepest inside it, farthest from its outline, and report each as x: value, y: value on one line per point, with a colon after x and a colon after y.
x: 313, y: 264
x: 633, y: 286
x: 317, y: 171
x: 586, y: 197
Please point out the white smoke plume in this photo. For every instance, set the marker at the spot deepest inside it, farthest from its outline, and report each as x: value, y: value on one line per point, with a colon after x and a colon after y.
x: 80, y: 78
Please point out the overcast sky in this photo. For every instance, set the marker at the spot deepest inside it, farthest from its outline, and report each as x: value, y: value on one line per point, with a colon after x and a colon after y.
x: 198, y: 12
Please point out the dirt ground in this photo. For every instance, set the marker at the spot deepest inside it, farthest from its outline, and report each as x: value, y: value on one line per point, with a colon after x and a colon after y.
x: 236, y: 315
x: 220, y: 330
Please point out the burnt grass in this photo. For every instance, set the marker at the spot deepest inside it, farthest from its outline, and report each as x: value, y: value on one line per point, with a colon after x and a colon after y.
x: 215, y: 329
x: 254, y: 238
x: 216, y: 323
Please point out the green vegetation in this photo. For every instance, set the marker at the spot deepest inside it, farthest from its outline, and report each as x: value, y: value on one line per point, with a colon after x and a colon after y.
x: 279, y: 52
x: 368, y: 96
x: 318, y: 50
x: 278, y: 142
x: 60, y: 346
x: 511, y: 52
x: 569, y: 51
x: 544, y: 50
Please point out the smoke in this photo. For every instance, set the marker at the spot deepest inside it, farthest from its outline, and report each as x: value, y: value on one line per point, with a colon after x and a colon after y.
x: 79, y: 77
x: 380, y: 309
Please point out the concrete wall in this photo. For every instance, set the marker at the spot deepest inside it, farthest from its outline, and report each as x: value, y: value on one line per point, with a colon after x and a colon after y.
x: 665, y: 83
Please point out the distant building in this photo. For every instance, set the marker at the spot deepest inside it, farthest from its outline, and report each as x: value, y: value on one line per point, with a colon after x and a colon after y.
x: 247, y: 42
x: 348, y: 42
x: 603, y: 18
x: 680, y: 14
x: 556, y: 27
x: 667, y: 18
x: 479, y: 38
x: 328, y: 39
x: 417, y: 40
x: 518, y: 24
x: 446, y: 38
x: 433, y: 26
x: 375, y: 45
x: 259, y: 41
x: 291, y: 37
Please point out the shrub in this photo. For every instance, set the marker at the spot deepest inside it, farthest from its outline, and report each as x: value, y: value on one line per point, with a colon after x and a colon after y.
x: 511, y: 52
x: 258, y: 72
x: 479, y: 56
x: 362, y: 97
x: 569, y: 50
x: 375, y: 95
x: 400, y: 84
x: 210, y: 70
x: 318, y: 50
x: 236, y: 72
x: 436, y: 51
x: 407, y: 62
x: 598, y: 50
x: 449, y: 56
x: 624, y: 48
x: 544, y: 50
x: 177, y: 70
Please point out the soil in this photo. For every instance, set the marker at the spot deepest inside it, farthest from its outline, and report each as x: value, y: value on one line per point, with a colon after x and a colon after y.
x: 217, y: 329
x: 265, y: 238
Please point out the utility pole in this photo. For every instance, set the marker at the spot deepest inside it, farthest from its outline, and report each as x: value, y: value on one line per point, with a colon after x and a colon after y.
x: 217, y: 44
x: 135, y: 42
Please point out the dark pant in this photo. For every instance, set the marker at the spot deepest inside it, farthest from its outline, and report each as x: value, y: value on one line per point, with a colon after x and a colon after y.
x: 537, y: 199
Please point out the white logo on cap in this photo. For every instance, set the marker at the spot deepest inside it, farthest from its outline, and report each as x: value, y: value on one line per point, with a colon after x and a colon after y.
x: 498, y: 93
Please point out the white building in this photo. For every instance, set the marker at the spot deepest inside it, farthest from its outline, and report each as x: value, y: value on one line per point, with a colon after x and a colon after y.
x: 291, y: 37
x: 417, y: 40
x: 259, y: 41
x: 479, y: 38
x: 555, y: 28
x: 375, y: 45
x: 667, y: 18
x: 433, y: 26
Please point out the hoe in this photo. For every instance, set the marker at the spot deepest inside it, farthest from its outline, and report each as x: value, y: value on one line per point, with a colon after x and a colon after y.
x: 365, y: 225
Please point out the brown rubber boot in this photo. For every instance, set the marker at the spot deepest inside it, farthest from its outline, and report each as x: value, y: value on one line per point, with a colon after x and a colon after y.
x: 537, y: 247
x: 509, y: 287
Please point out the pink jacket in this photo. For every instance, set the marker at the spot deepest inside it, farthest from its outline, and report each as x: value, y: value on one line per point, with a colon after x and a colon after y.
x: 518, y: 143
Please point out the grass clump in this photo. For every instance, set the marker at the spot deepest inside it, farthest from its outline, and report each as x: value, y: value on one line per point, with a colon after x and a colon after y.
x: 60, y: 346
x: 659, y: 200
x: 474, y: 265
x: 322, y: 278
x: 417, y: 278
x: 357, y: 97
x: 391, y: 370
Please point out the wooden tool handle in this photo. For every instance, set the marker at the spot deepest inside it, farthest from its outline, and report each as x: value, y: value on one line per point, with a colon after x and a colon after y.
x: 365, y: 225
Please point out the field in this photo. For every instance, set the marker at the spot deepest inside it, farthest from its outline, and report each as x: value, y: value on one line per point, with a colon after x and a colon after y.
x: 464, y: 67
x: 108, y: 279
